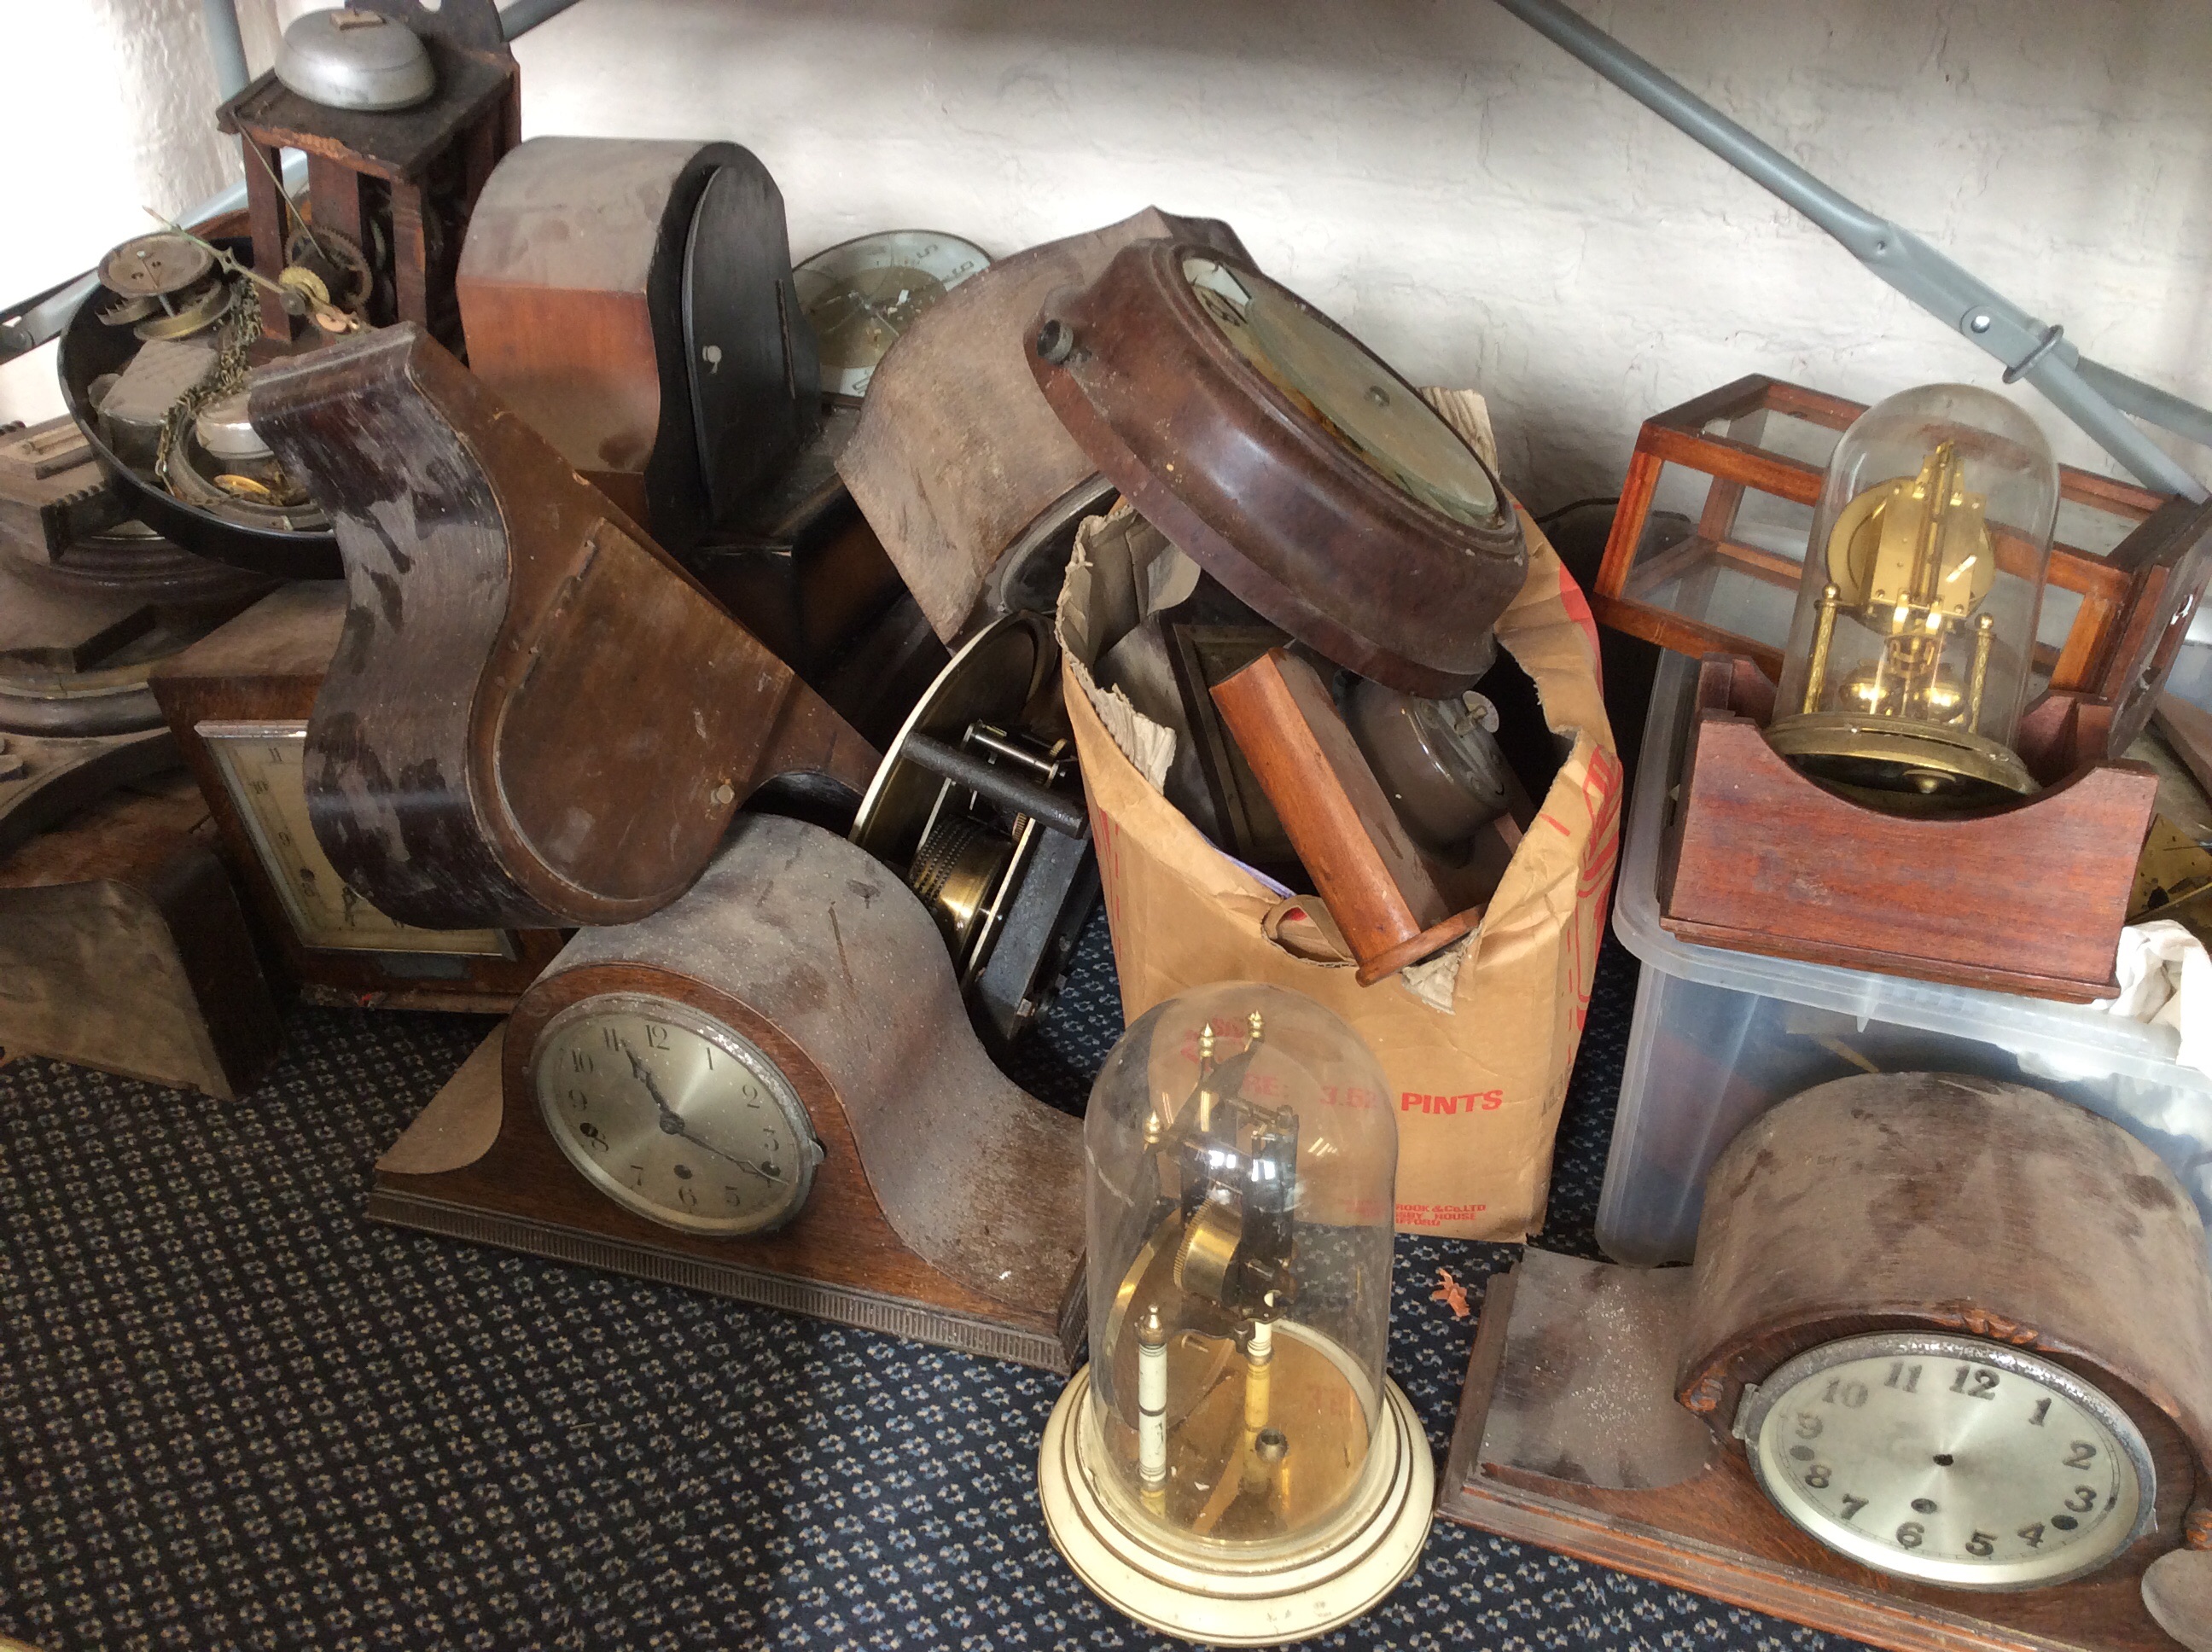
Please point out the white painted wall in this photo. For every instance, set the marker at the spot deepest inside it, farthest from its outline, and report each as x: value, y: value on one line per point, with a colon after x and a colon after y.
x: 105, y: 108
x: 1475, y: 204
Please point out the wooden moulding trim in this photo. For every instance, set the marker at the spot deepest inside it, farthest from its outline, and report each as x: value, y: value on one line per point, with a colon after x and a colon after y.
x: 1731, y: 401
x: 1628, y: 517
x: 1735, y: 461
x: 1491, y: 1504
x: 915, y: 1321
x: 1763, y: 565
x: 1683, y: 636
x: 2065, y: 989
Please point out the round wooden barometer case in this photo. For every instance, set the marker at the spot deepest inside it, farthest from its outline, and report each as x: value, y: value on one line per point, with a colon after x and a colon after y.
x: 1302, y: 472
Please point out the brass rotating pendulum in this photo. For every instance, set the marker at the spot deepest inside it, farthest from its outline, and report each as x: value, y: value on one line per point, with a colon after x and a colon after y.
x: 1205, y: 1298
x: 1911, y: 561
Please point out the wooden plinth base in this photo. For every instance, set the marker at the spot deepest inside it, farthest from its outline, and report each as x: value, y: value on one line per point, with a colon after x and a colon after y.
x: 1570, y: 1436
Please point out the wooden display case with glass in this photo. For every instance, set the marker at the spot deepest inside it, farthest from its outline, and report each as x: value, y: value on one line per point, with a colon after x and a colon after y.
x: 1708, y: 547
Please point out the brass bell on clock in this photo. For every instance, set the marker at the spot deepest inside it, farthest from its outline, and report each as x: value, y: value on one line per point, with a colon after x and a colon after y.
x: 1913, y: 641
x: 1233, y: 1466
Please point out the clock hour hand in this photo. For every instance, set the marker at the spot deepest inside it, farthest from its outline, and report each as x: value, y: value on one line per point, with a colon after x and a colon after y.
x: 672, y: 1121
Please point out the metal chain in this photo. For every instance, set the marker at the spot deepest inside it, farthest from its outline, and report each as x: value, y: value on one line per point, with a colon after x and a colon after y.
x: 240, y: 322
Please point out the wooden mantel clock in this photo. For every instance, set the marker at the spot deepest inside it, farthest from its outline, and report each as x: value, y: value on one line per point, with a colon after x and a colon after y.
x: 534, y: 718
x: 769, y: 1090
x: 237, y: 704
x: 1940, y: 1378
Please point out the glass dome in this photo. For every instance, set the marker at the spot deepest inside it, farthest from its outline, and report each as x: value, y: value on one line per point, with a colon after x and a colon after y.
x: 1912, y: 644
x: 1241, y: 1163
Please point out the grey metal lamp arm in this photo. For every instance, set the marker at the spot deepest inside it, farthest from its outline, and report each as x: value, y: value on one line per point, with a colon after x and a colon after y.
x: 2094, y: 397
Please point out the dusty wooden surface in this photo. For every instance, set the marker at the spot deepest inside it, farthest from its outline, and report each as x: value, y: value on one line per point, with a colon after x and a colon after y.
x: 534, y: 716
x: 1568, y: 1393
x: 944, y: 1189
x: 958, y: 450
x: 2026, y: 897
x: 123, y: 947
x: 1897, y: 1199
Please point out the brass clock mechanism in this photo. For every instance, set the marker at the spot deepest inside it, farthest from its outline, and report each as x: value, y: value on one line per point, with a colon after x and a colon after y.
x: 1913, y: 646
x: 1233, y: 1465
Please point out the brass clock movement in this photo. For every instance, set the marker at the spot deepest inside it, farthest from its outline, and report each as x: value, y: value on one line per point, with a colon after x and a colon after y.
x: 769, y: 1090
x: 1940, y: 1375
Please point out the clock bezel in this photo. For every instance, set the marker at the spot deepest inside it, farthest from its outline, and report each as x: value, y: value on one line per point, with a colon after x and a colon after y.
x: 837, y: 265
x: 222, y: 736
x: 1760, y: 1400
x: 781, y: 1086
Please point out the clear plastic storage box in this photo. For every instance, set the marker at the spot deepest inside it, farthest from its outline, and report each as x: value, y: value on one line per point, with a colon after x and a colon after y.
x: 1721, y: 1036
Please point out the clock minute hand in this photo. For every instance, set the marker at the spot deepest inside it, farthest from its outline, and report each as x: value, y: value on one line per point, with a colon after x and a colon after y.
x: 643, y: 1074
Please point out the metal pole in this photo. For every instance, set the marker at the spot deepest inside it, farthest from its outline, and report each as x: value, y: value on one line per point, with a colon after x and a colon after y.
x: 2029, y: 349
x: 520, y: 18
x: 225, y: 46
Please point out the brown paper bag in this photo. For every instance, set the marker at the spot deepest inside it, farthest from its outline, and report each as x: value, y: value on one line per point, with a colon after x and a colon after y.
x: 1477, y: 1043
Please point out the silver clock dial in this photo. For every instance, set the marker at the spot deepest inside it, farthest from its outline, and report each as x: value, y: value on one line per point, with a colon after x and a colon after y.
x: 1950, y: 1460
x: 861, y: 296
x: 674, y: 1115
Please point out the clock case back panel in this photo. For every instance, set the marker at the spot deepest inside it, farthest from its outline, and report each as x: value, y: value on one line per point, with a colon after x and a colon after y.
x: 266, y: 666
x: 948, y: 1207
x: 596, y: 274
x: 1917, y: 1202
x: 534, y: 717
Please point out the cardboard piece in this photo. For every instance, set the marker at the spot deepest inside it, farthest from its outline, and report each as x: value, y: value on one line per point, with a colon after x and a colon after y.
x: 1477, y: 1043
x: 957, y: 450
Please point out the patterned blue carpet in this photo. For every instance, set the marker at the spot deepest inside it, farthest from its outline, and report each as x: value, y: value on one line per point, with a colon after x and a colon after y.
x: 233, y: 1415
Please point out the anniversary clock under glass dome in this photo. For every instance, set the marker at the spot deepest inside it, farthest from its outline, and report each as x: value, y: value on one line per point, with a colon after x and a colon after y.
x: 1233, y: 1465
x: 1913, y: 641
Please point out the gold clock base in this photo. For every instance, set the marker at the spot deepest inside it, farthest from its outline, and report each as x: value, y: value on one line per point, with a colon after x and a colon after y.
x: 1364, y: 1555
x: 1918, y: 759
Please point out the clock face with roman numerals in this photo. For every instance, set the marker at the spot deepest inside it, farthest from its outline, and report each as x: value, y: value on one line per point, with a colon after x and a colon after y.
x: 1951, y: 1460
x: 674, y: 1115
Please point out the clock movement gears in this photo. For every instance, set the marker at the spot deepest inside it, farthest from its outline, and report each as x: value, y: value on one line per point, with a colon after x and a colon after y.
x: 161, y: 401
x: 974, y: 803
x: 165, y: 285
x: 340, y: 268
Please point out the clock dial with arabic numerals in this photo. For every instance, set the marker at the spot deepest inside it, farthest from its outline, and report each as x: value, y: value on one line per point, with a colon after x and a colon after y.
x: 1950, y: 1460
x: 674, y: 1115
x: 262, y: 768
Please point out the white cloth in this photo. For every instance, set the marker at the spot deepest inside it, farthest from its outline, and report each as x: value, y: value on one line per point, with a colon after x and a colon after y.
x: 2166, y: 980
